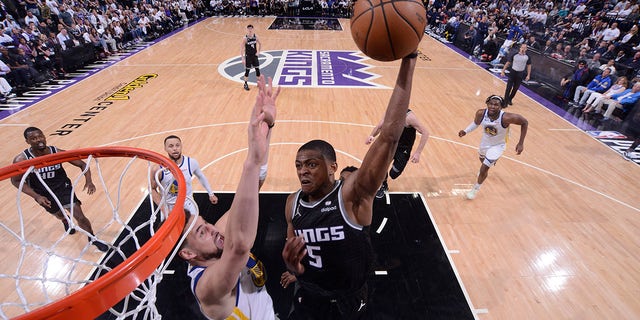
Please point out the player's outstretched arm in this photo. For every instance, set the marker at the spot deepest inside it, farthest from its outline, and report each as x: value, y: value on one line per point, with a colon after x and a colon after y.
x: 242, y: 217
x: 358, y: 196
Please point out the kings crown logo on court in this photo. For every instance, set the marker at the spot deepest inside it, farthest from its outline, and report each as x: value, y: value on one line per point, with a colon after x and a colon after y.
x: 307, y: 68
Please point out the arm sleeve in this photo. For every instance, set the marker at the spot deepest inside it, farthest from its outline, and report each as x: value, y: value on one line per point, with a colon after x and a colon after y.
x: 198, y: 173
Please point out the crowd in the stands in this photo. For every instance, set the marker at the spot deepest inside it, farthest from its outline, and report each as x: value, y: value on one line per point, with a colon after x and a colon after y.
x: 42, y: 40
x: 591, y: 35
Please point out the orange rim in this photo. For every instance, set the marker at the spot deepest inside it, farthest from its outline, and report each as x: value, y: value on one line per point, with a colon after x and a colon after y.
x: 97, y: 297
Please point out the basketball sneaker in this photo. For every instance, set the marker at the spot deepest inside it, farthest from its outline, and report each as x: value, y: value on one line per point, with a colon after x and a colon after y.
x: 384, y: 188
x: 99, y: 244
x: 67, y: 228
x: 246, y: 86
x: 472, y: 194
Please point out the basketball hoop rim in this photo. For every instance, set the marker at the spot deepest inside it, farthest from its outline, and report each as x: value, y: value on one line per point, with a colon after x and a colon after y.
x: 97, y: 297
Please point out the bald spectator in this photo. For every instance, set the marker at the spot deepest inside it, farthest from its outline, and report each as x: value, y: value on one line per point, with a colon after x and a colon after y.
x: 611, y: 34
x: 594, y: 63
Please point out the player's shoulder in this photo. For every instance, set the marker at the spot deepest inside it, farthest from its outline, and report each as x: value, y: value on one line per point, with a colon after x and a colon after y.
x: 510, y: 115
x: 20, y: 157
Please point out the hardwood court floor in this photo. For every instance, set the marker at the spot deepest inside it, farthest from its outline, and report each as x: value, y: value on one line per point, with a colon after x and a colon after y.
x: 552, y: 234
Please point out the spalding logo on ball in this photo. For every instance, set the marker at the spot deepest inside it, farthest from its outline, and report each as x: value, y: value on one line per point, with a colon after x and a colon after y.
x: 388, y: 30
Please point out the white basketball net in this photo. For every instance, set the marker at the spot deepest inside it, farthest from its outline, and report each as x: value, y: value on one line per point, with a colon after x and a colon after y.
x: 46, y: 263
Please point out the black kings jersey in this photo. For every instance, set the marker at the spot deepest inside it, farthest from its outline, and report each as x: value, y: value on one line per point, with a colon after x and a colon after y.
x: 408, y: 136
x: 54, y: 176
x: 250, y: 45
x: 339, y: 252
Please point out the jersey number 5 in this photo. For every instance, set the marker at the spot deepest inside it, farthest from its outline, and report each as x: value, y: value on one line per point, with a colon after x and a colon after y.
x: 314, y: 256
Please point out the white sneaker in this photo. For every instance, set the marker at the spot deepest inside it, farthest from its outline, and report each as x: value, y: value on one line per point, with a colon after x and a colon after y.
x: 472, y: 194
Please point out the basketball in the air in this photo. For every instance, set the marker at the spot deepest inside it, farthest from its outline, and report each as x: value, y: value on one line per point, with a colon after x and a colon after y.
x: 388, y: 30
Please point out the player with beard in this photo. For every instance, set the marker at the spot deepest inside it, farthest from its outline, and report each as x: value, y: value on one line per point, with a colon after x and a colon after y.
x: 495, y: 127
x: 226, y: 279
x: 55, y: 177
x: 189, y: 167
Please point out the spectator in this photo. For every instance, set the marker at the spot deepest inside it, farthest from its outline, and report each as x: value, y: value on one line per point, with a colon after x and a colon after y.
x: 5, y: 39
x: 584, y: 44
x: 595, y: 99
x: 558, y: 52
x: 611, y: 64
x: 611, y: 34
x: 633, y: 63
x: 567, y: 53
x: 548, y: 48
x: 620, y: 57
x: 571, y: 81
x: 594, y: 62
x: 64, y: 39
x: 602, y: 47
x: 610, y: 53
x: 469, y: 39
x: 532, y: 43
x: 623, y: 100
x: 19, y: 74
x: 30, y: 17
x: 599, y: 84
x: 629, y: 40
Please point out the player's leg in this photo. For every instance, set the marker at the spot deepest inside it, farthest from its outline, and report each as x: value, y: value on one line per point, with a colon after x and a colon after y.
x: 85, y: 224
x: 256, y: 65
x: 400, y: 160
x: 246, y: 76
x: 488, y: 156
x: 55, y: 210
x: 509, y: 88
x: 308, y: 307
x: 65, y: 223
x: 353, y: 306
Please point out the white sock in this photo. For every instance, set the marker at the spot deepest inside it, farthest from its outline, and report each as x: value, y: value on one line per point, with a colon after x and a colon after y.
x: 477, y: 186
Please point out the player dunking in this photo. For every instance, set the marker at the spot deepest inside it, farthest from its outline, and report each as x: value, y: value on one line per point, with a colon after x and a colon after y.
x: 328, y: 247
x: 249, y: 52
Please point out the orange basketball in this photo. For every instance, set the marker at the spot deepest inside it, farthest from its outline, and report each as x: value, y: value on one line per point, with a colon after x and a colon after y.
x: 388, y: 30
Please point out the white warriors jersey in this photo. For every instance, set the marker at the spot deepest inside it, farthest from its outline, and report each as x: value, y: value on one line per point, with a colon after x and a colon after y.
x: 252, y: 301
x: 493, y: 131
x: 188, y: 167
